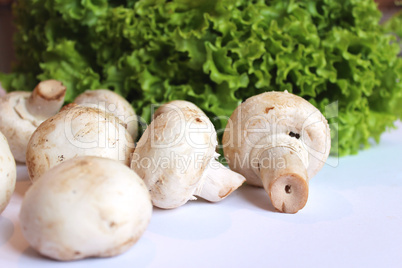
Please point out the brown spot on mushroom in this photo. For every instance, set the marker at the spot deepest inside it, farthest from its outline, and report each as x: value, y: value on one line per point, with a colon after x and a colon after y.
x: 294, y: 135
x: 161, y: 180
x: 268, y: 109
x: 47, y: 160
x: 46, y: 127
x: 198, y: 120
x: 288, y: 189
x: 226, y: 194
x: 32, y: 166
x: 83, y: 163
x: 68, y: 107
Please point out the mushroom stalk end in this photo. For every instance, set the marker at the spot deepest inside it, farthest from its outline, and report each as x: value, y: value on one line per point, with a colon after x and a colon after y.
x: 218, y: 182
x: 285, y: 179
x: 46, y: 99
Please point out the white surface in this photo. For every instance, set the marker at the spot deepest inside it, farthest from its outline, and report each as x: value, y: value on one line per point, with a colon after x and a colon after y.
x: 353, y: 219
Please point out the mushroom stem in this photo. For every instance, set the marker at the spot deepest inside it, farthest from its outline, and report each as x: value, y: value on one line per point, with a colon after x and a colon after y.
x: 218, y: 182
x: 285, y: 179
x: 46, y: 99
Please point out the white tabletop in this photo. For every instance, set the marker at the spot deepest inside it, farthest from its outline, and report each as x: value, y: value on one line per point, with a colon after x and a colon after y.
x: 353, y: 218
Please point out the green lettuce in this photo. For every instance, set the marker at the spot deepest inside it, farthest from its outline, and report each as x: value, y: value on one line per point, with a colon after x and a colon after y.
x: 216, y: 53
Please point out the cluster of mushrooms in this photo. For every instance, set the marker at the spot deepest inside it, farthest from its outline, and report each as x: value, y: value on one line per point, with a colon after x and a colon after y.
x: 82, y: 158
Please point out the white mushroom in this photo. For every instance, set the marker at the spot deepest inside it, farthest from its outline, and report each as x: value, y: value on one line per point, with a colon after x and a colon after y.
x: 77, y: 131
x: 22, y: 112
x: 175, y: 105
x: 85, y: 207
x: 2, y: 91
x: 8, y: 173
x: 176, y: 159
x: 113, y: 103
x: 279, y: 141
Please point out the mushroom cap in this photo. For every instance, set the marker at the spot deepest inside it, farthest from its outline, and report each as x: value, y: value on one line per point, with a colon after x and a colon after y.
x: 16, y: 123
x: 270, y: 118
x: 114, y: 104
x: 2, y: 91
x: 172, y: 155
x: 85, y: 207
x: 8, y: 173
x: 176, y: 105
x: 77, y: 131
